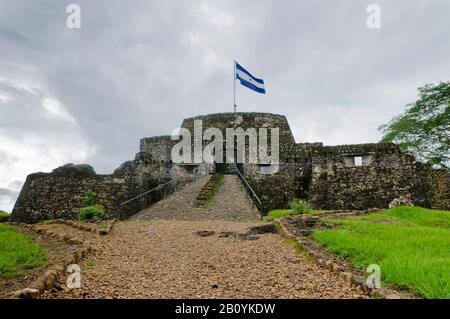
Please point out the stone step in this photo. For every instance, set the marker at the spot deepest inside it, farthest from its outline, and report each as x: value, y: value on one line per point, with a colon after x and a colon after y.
x: 229, y: 203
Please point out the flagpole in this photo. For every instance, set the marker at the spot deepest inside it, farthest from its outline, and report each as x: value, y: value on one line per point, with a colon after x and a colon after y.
x: 234, y: 80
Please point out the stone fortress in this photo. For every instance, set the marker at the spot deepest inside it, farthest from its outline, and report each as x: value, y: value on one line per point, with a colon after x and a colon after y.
x: 353, y: 177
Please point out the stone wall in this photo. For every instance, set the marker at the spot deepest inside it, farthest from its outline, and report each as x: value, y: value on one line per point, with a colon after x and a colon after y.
x: 275, y: 191
x: 329, y: 177
x: 58, y: 194
x: 358, y: 176
x: 384, y: 174
x: 49, y: 196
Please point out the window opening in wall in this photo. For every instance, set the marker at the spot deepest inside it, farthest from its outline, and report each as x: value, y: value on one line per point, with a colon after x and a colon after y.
x: 358, y: 161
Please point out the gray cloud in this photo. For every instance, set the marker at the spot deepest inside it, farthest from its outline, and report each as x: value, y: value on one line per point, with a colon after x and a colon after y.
x: 7, y: 192
x: 137, y: 68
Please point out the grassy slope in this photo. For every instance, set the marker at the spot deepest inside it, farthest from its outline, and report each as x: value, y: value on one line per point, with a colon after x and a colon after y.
x: 410, y: 244
x: 18, y: 251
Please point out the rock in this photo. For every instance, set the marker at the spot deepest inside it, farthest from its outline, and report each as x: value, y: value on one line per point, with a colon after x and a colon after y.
x: 401, y: 201
x: 378, y: 293
x: 336, y: 269
x: 204, y: 233
x: 247, y: 236
x: 27, y: 293
x: 365, y: 287
x: 59, y: 268
x: 226, y: 234
x: 75, y: 241
x: 263, y: 229
x: 346, y: 276
x: 358, y: 280
x: 77, y: 256
x: 39, y: 284
x: 50, y: 281
x: 51, y: 277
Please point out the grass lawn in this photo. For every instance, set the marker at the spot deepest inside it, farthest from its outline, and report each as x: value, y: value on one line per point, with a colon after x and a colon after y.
x: 18, y: 251
x: 410, y: 244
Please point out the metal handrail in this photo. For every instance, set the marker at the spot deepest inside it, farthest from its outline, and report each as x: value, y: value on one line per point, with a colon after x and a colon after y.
x: 242, y: 178
x: 161, y: 186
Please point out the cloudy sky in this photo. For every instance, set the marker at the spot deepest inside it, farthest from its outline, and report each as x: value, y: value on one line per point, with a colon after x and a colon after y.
x: 137, y: 68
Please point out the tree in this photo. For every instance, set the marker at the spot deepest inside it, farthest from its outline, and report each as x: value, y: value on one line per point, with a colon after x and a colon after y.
x: 423, y: 130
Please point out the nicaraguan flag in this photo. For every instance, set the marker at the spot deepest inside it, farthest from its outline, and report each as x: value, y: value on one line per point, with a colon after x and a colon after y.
x: 249, y: 80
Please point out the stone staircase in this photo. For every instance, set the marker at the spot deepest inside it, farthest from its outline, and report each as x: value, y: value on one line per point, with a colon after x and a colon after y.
x: 229, y: 203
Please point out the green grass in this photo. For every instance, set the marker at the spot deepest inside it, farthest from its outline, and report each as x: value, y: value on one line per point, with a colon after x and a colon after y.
x: 4, y: 216
x: 214, y: 183
x: 410, y: 244
x: 279, y: 213
x: 18, y: 252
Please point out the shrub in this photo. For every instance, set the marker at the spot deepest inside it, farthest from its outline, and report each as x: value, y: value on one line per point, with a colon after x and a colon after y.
x: 299, y: 206
x: 88, y: 198
x: 92, y: 212
x: 81, y: 170
x: 4, y: 216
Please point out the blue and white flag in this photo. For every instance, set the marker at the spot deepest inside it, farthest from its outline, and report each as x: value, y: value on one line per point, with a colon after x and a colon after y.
x: 249, y: 80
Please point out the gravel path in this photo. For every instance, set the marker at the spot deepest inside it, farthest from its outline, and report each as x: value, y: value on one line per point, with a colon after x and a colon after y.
x: 167, y: 259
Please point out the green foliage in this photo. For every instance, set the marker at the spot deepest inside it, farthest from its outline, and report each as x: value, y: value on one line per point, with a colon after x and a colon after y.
x: 410, y: 244
x: 299, y: 206
x: 4, y: 216
x: 88, y: 198
x: 18, y: 251
x: 92, y: 212
x: 423, y: 130
x: 210, y: 189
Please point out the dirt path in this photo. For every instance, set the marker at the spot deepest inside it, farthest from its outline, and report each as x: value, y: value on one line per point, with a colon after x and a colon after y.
x: 166, y: 259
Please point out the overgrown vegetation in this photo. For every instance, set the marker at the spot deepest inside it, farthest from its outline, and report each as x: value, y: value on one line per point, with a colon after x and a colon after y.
x: 90, y: 210
x: 410, y: 244
x: 75, y: 170
x: 299, y: 206
x: 210, y: 189
x: 88, y: 198
x: 4, y: 216
x: 18, y: 251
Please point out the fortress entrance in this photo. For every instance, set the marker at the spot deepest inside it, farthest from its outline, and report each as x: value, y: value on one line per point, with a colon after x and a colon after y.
x: 228, y: 168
